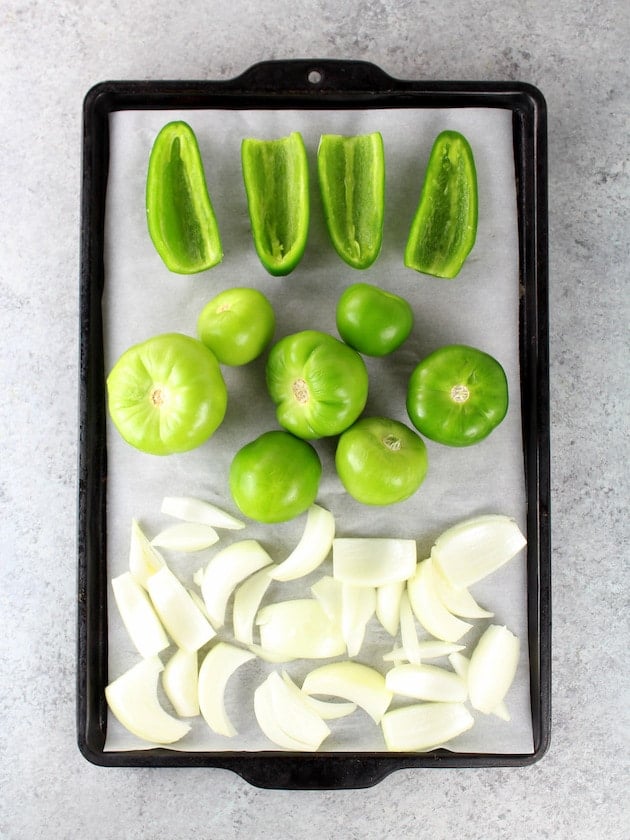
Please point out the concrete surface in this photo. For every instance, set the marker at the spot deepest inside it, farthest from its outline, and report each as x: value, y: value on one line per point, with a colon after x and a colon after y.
x: 51, y: 54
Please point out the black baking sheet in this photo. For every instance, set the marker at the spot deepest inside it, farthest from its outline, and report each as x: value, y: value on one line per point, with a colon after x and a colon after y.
x: 345, y: 86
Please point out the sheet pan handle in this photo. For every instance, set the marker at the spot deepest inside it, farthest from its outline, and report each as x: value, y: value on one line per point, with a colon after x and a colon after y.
x: 315, y: 76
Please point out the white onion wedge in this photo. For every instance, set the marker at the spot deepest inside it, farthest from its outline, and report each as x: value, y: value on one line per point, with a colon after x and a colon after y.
x: 408, y: 632
x: 373, y: 561
x: 184, y: 622
x: 186, y: 537
x: 313, y: 547
x: 326, y: 709
x: 388, y: 605
x: 426, y: 682
x: 247, y: 600
x: 219, y: 664
x: 473, y: 549
x: 180, y: 680
x: 492, y: 668
x: 266, y: 717
x: 353, y: 681
x: 328, y: 592
x: 225, y: 571
x: 293, y: 713
x: 191, y: 509
x: 429, y: 610
x: 133, y: 699
x: 144, y: 627
x: 358, y: 605
x: 458, y: 601
x: 429, y: 649
x: 461, y: 664
x: 299, y: 629
x: 144, y: 559
x: 424, y: 726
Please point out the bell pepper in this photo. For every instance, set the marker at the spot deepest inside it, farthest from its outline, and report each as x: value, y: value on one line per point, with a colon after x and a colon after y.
x: 180, y: 216
x: 275, y: 174
x: 444, y: 227
x: 352, y: 185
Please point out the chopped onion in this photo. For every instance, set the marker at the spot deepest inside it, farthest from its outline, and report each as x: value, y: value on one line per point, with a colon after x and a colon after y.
x: 372, y: 561
x: 358, y: 605
x: 143, y: 625
x: 219, y: 664
x: 429, y: 649
x: 460, y: 664
x: 184, y: 622
x: 429, y: 610
x: 408, y: 632
x: 268, y: 722
x: 425, y: 726
x: 457, y: 601
x: 492, y: 668
x: 353, y: 681
x: 225, y: 571
x: 191, y: 509
x: 475, y: 548
x: 133, y: 699
x: 186, y: 536
x: 328, y: 592
x: 426, y: 682
x: 294, y: 715
x: 299, y: 629
x: 144, y: 559
x: 313, y: 547
x: 180, y: 680
x: 247, y: 600
x: 326, y: 709
x: 388, y: 605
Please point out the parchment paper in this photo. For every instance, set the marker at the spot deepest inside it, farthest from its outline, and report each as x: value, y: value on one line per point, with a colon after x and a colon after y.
x: 142, y: 298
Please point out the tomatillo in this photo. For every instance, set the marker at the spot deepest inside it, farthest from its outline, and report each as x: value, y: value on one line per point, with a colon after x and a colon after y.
x: 381, y: 461
x: 167, y: 394
x: 457, y: 395
x: 318, y: 383
x: 237, y: 325
x: 372, y: 320
x: 275, y: 477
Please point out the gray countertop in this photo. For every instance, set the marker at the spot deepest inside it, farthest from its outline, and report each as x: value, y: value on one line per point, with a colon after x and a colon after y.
x: 52, y: 53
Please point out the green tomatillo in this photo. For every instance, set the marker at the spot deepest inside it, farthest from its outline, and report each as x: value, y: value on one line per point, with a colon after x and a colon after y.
x: 457, y: 395
x: 237, y: 325
x: 373, y: 320
x: 318, y: 383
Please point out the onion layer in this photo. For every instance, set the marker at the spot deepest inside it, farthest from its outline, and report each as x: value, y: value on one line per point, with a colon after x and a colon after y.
x: 429, y: 610
x: 299, y: 629
x: 144, y: 559
x: 143, y: 625
x: 220, y: 663
x: 492, y: 668
x: 191, y: 509
x: 372, y: 561
x: 225, y: 571
x: 426, y: 682
x: 180, y: 680
x: 186, y: 536
x: 388, y: 605
x: 353, y: 681
x: 425, y: 726
x: 313, y: 547
x: 247, y: 599
x: 358, y: 605
x: 183, y: 620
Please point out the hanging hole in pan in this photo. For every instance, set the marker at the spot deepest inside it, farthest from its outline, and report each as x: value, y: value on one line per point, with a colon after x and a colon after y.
x: 315, y: 77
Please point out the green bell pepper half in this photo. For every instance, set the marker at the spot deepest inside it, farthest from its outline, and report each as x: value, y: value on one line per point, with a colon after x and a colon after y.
x: 444, y: 227
x: 351, y: 174
x: 275, y: 174
x: 180, y: 216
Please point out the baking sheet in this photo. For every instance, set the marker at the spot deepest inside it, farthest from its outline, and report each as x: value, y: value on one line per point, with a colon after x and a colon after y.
x: 142, y: 298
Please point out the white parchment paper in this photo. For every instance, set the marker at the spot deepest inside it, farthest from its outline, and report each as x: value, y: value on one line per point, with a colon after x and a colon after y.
x: 480, y: 307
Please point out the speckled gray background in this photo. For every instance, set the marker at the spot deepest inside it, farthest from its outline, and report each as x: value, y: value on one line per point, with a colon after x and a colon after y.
x: 51, y: 53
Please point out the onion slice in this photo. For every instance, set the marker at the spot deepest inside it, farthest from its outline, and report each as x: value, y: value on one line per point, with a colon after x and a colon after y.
x: 458, y: 601
x: 133, y: 699
x: 373, y: 561
x: 293, y: 713
x: 408, y: 632
x: 138, y: 616
x: 186, y: 537
x: 144, y: 559
x: 225, y: 571
x: 183, y: 620
x: 388, y: 605
x: 328, y: 592
x: 219, y: 664
x: 191, y: 509
x: 327, y: 710
x: 299, y: 629
x: 492, y: 668
x: 461, y: 664
x: 180, y: 680
x: 353, y: 681
x: 268, y: 722
x: 473, y: 549
x: 429, y: 610
x: 247, y: 600
x: 425, y: 726
x: 426, y: 682
x: 313, y: 547
x: 358, y: 605
x: 429, y: 649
